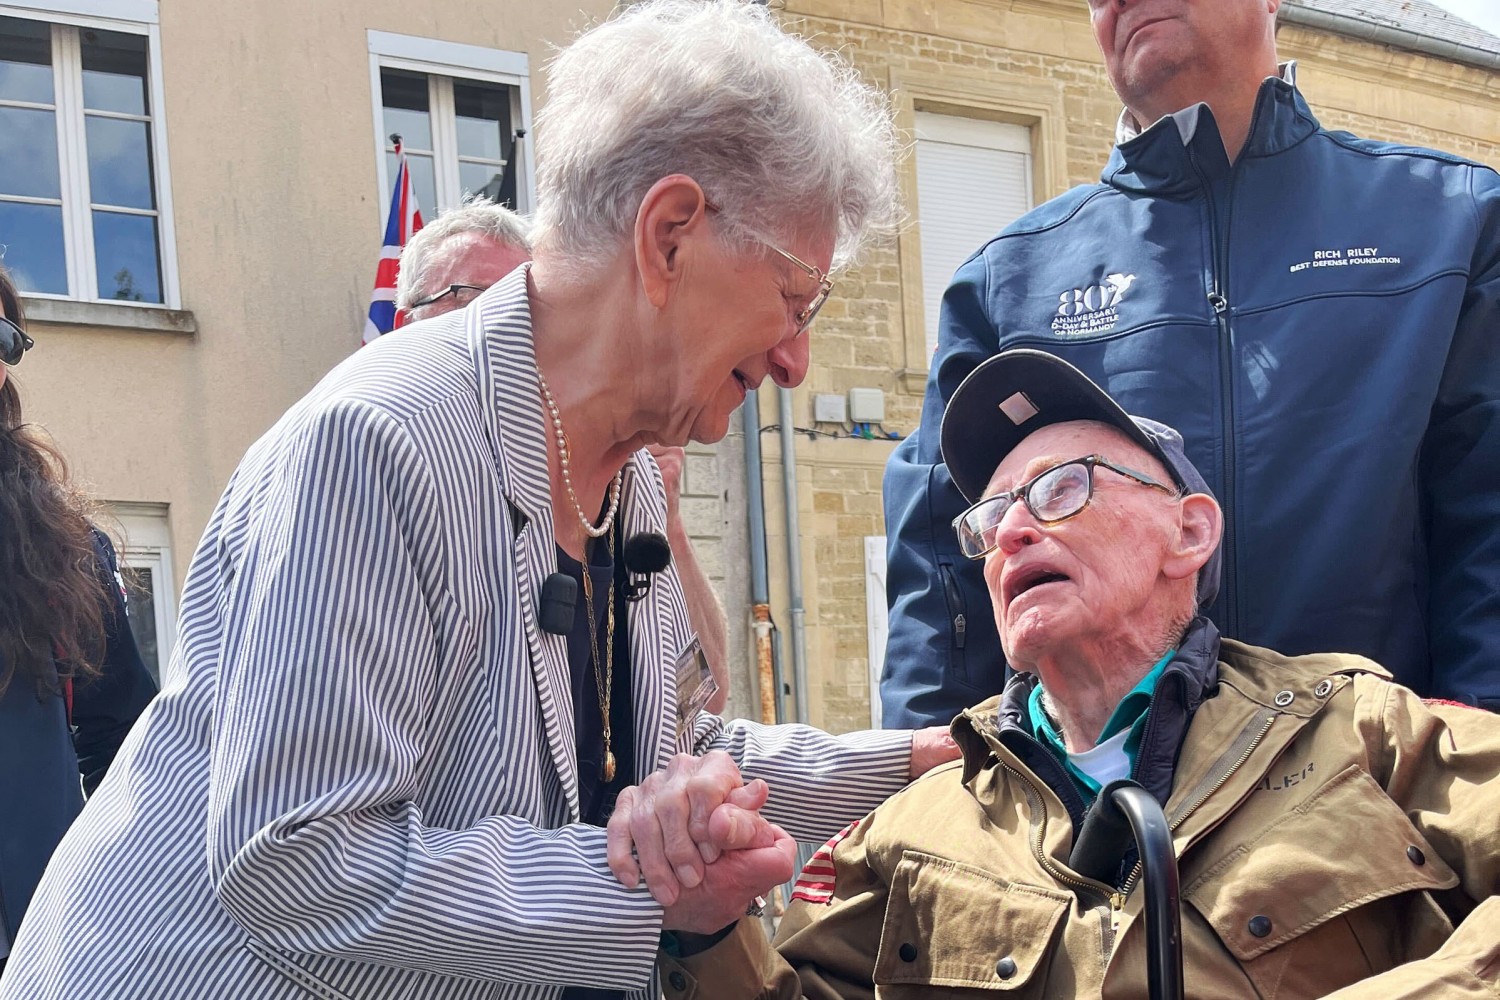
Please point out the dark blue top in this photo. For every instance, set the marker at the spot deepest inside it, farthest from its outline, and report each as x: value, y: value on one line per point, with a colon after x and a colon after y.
x: 595, y: 798
x: 45, y: 767
x: 587, y: 719
x: 1319, y: 320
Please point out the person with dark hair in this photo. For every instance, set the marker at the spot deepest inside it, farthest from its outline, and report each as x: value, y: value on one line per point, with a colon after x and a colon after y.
x: 71, y: 679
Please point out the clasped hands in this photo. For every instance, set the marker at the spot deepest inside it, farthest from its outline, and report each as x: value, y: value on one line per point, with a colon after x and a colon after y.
x: 693, y: 831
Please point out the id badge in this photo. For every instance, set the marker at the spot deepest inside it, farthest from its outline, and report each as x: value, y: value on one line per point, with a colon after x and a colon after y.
x: 695, y: 685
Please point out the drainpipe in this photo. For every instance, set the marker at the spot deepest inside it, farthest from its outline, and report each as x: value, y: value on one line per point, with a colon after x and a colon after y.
x: 793, y: 554
x: 768, y: 669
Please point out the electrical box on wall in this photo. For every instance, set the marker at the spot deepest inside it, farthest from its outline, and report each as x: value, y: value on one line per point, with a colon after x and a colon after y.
x: 828, y: 408
x: 866, y: 406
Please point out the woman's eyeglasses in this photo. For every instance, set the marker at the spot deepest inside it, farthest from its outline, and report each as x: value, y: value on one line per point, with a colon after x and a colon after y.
x: 14, y: 342
x: 809, y: 312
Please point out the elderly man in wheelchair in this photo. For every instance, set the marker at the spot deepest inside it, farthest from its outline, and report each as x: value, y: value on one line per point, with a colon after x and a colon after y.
x: 1334, y: 833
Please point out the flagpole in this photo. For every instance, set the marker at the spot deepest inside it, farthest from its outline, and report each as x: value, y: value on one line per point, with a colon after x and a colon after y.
x: 402, y: 220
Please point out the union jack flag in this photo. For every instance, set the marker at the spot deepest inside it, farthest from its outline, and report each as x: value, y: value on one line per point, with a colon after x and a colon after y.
x: 402, y: 222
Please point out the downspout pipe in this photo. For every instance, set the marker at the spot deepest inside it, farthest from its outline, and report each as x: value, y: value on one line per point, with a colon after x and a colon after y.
x: 793, y: 554
x: 768, y: 674
x: 1386, y: 34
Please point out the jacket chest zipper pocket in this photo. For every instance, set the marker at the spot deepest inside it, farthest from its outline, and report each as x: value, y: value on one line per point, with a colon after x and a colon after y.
x: 957, y: 613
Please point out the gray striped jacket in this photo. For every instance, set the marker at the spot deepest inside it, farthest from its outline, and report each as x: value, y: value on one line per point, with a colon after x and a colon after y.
x: 359, y: 779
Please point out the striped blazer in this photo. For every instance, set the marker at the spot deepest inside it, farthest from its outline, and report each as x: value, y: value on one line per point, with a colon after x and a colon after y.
x: 359, y: 780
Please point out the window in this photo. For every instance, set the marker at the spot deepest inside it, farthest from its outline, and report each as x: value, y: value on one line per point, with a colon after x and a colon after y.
x: 973, y: 179
x: 82, y: 167
x: 461, y: 112
x: 146, y: 556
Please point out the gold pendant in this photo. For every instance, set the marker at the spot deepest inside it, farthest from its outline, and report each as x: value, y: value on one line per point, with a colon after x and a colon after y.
x: 609, y: 766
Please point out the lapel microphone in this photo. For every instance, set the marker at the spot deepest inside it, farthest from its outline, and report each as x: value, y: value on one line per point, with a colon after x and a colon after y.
x: 645, y: 554
x: 559, y: 604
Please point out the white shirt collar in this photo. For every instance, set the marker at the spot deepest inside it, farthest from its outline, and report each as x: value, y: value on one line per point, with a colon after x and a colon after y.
x: 1128, y: 128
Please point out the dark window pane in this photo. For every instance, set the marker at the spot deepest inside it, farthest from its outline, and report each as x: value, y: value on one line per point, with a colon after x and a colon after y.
x: 423, y: 183
x: 125, y: 254
x: 141, y: 609
x: 481, y: 178
x: 403, y: 96
x: 31, y: 245
x: 114, y: 72
x: 119, y: 162
x: 28, y: 153
x: 25, y: 60
x: 483, y: 111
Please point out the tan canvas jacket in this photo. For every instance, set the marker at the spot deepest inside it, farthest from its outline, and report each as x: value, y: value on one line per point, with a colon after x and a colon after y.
x: 1332, y: 831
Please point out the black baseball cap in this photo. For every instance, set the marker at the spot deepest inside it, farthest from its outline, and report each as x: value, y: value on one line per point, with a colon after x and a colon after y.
x: 1018, y: 392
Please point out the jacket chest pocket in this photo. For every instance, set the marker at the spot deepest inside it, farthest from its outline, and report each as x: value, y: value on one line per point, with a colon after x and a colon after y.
x: 1333, y: 891
x: 949, y: 925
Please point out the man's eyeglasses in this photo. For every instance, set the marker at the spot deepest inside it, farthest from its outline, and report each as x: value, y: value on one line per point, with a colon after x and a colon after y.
x: 14, y: 342
x: 453, y: 290
x: 809, y: 312
x: 1052, y: 496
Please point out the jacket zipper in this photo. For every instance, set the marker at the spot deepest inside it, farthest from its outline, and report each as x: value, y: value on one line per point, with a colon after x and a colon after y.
x: 1218, y: 300
x: 956, y: 606
x: 1203, y: 797
x: 1108, y: 897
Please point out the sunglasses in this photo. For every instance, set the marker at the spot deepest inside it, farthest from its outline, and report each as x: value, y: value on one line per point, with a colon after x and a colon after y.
x: 14, y: 342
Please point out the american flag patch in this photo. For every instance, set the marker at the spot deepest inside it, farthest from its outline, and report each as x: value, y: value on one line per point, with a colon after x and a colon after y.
x: 815, y: 884
x: 1449, y: 701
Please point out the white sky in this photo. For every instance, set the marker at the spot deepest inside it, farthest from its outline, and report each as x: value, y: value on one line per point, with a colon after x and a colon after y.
x: 1483, y: 13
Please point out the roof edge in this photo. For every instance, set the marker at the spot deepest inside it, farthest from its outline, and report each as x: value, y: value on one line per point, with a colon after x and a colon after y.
x: 1384, y: 34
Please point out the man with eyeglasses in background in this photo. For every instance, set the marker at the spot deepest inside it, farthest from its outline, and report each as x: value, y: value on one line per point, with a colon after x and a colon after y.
x: 466, y: 250
x: 458, y: 255
x: 1335, y: 834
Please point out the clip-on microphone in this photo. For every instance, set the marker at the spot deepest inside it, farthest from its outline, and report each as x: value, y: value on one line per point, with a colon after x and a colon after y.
x: 645, y: 555
x: 559, y: 604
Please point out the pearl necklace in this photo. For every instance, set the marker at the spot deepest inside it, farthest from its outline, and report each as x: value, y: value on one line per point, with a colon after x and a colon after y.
x: 608, y: 520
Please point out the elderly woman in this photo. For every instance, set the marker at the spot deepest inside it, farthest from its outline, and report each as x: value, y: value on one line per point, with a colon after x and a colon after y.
x: 407, y: 686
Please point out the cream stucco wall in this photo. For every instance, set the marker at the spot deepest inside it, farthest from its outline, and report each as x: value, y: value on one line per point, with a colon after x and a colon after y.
x: 278, y: 213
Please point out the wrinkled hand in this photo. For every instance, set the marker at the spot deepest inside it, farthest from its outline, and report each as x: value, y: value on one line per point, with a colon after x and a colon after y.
x: 665, y: 819
x: 670, y: 461
x: 757, y: 855
x: 929, y: 748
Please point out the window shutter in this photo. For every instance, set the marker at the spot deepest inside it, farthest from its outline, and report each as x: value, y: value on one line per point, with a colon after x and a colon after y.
x: 973, y: 179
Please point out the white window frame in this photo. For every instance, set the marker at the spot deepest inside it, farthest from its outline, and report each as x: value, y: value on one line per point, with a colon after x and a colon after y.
x: 148, y: 545
x: 136, y: 17
x: 443, y: 62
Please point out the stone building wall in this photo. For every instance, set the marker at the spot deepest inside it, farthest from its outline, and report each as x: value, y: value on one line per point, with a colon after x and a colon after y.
x: 1031, y: 62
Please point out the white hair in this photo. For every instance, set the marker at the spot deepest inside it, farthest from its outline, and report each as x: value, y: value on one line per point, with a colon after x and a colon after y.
x: 775, y: 133
x: 476, y: 215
